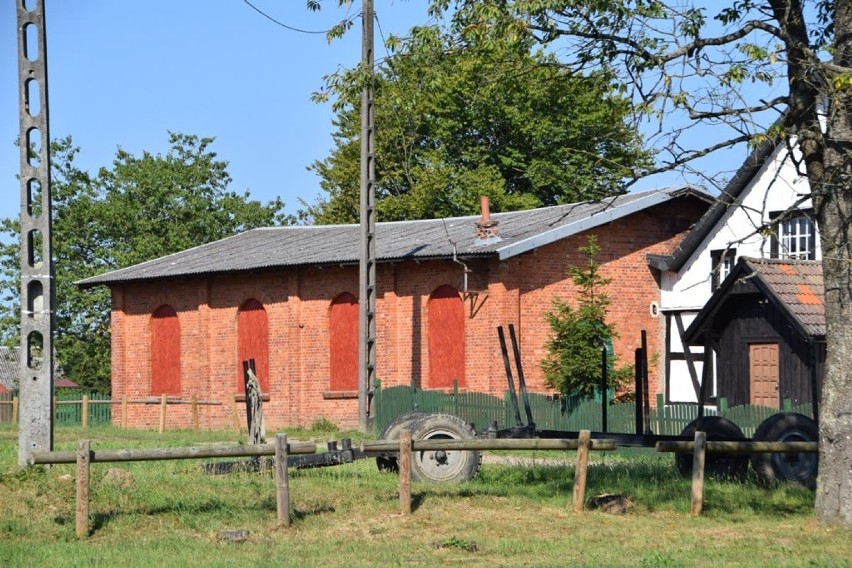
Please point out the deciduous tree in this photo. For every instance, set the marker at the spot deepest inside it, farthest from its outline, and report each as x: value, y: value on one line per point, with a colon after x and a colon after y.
x: 709, y: 76
x: 140, y: 208
x: 460, y: 119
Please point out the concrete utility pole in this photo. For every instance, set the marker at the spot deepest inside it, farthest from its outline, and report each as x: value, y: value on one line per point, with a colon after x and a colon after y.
x: 37, y: 271
x: 367, y: 267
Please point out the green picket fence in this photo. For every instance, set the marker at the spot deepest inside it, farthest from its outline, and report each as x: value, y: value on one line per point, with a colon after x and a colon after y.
x: 69, y: 409
x: 561, y: 413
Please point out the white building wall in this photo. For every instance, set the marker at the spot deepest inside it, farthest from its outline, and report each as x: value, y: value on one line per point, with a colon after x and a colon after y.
x: 776, y: 187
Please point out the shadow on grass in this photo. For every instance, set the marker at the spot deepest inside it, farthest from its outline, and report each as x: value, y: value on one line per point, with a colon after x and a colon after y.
x: 653, y: 485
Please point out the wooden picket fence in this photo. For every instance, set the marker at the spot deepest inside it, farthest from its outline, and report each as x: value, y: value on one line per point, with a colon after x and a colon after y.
x: 562, y: 413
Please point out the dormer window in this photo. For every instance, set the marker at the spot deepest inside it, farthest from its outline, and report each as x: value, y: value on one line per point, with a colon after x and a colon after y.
x: 723, y: 261
x: 795, y: 237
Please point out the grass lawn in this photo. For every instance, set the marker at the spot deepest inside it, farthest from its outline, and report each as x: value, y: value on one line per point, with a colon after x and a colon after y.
x: 170, y: 513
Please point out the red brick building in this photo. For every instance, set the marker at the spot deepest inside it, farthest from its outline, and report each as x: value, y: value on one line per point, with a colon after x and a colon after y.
x: 287, y: 297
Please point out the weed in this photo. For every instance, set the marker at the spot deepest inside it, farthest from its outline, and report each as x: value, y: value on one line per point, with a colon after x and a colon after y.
x: 323, y: 424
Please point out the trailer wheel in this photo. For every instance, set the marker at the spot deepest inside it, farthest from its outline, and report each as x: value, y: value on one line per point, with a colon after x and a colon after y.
x: 439, y: 466
x: 715, y: 465
x: 388, y: 462
x: 774, y: 468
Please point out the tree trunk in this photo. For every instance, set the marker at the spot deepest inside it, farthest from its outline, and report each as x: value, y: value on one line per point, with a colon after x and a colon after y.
x: 833, y: 204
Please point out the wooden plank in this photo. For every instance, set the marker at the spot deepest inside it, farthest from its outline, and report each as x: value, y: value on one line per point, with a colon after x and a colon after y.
x: 194, y: 403
x: 489, y: 444
x: 234, y: 415
x: 282, y: 485
x: 405, y: 472
x: 84, y: 412
x: 690, y: 360
x: 698, y: 473
x: 163, y: 406
x: 743, y: 447
x: 83, y: 469
x: 580, y: 471
x: 153, y: 454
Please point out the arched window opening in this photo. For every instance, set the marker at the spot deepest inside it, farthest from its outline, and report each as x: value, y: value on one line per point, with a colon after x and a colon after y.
x: 253, y: 343
x: 165, y: 351
x: 446, y: 338
x: 343, y: 343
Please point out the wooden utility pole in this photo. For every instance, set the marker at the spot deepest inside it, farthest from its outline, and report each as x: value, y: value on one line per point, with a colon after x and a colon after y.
x: 367, y: 266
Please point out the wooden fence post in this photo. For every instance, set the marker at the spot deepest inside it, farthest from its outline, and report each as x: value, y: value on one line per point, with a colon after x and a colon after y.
x: 194, y: 413
x: 234, y: 414
x: 83, y: 452
x: 163, y: 405
x: 580, y: 471
x: 124, y: 412
x: 15, y: 410
x: 54, y: 408
x: 84, y: 412
x: 698, y: 473
x: 405, y: 472
x: 282, y: 486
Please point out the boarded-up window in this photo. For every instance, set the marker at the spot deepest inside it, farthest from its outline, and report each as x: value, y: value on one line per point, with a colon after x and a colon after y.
x: 253, y: 343
x: 165, y: 351
x: 446, y: 338
x: 343, y: 343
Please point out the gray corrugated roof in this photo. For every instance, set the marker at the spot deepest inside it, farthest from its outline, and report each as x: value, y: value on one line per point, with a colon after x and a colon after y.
x: 9, y: 369
x: 281, y: 247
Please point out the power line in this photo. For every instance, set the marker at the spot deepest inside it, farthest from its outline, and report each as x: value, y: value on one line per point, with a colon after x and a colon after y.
x: 291, y: 28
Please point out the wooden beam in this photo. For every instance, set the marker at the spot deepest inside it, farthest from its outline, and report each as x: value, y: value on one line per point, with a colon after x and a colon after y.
x: 490, y: 444
x: 405, y: 472
x: 153, y: 454
x: 282, y: 485
x: 742, y: 447
x: 83, y: 469
x: 579, y: 500
x: 698, y: 473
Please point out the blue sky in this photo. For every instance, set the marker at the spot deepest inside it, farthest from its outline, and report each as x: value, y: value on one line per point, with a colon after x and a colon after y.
x: 123, y: 73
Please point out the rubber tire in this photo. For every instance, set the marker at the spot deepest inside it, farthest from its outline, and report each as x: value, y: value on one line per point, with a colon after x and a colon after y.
x: 440, y: 466
x: 388, y: 462
x: 777, y: 468
x: 715, y: 465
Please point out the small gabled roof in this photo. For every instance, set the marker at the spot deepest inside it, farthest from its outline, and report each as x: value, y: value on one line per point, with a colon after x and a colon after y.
x: 287, y: 247
x: 729, y: 197
x: 9, y: 370
x: 793, y: 286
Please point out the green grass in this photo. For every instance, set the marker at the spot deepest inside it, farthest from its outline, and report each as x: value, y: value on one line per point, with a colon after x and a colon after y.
x: 349, y: 515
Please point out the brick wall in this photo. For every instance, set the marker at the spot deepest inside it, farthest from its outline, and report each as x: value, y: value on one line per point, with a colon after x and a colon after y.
x: 519, y: 291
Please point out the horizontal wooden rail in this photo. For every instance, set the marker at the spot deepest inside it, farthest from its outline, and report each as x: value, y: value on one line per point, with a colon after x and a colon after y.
x: 488, y: 444
x: 169, y: 401
x: 742, y: 447
x: 224, y: 451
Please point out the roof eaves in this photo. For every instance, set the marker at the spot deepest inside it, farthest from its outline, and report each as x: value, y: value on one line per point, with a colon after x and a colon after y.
x: 729, y: 196
x: 596, y: 219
